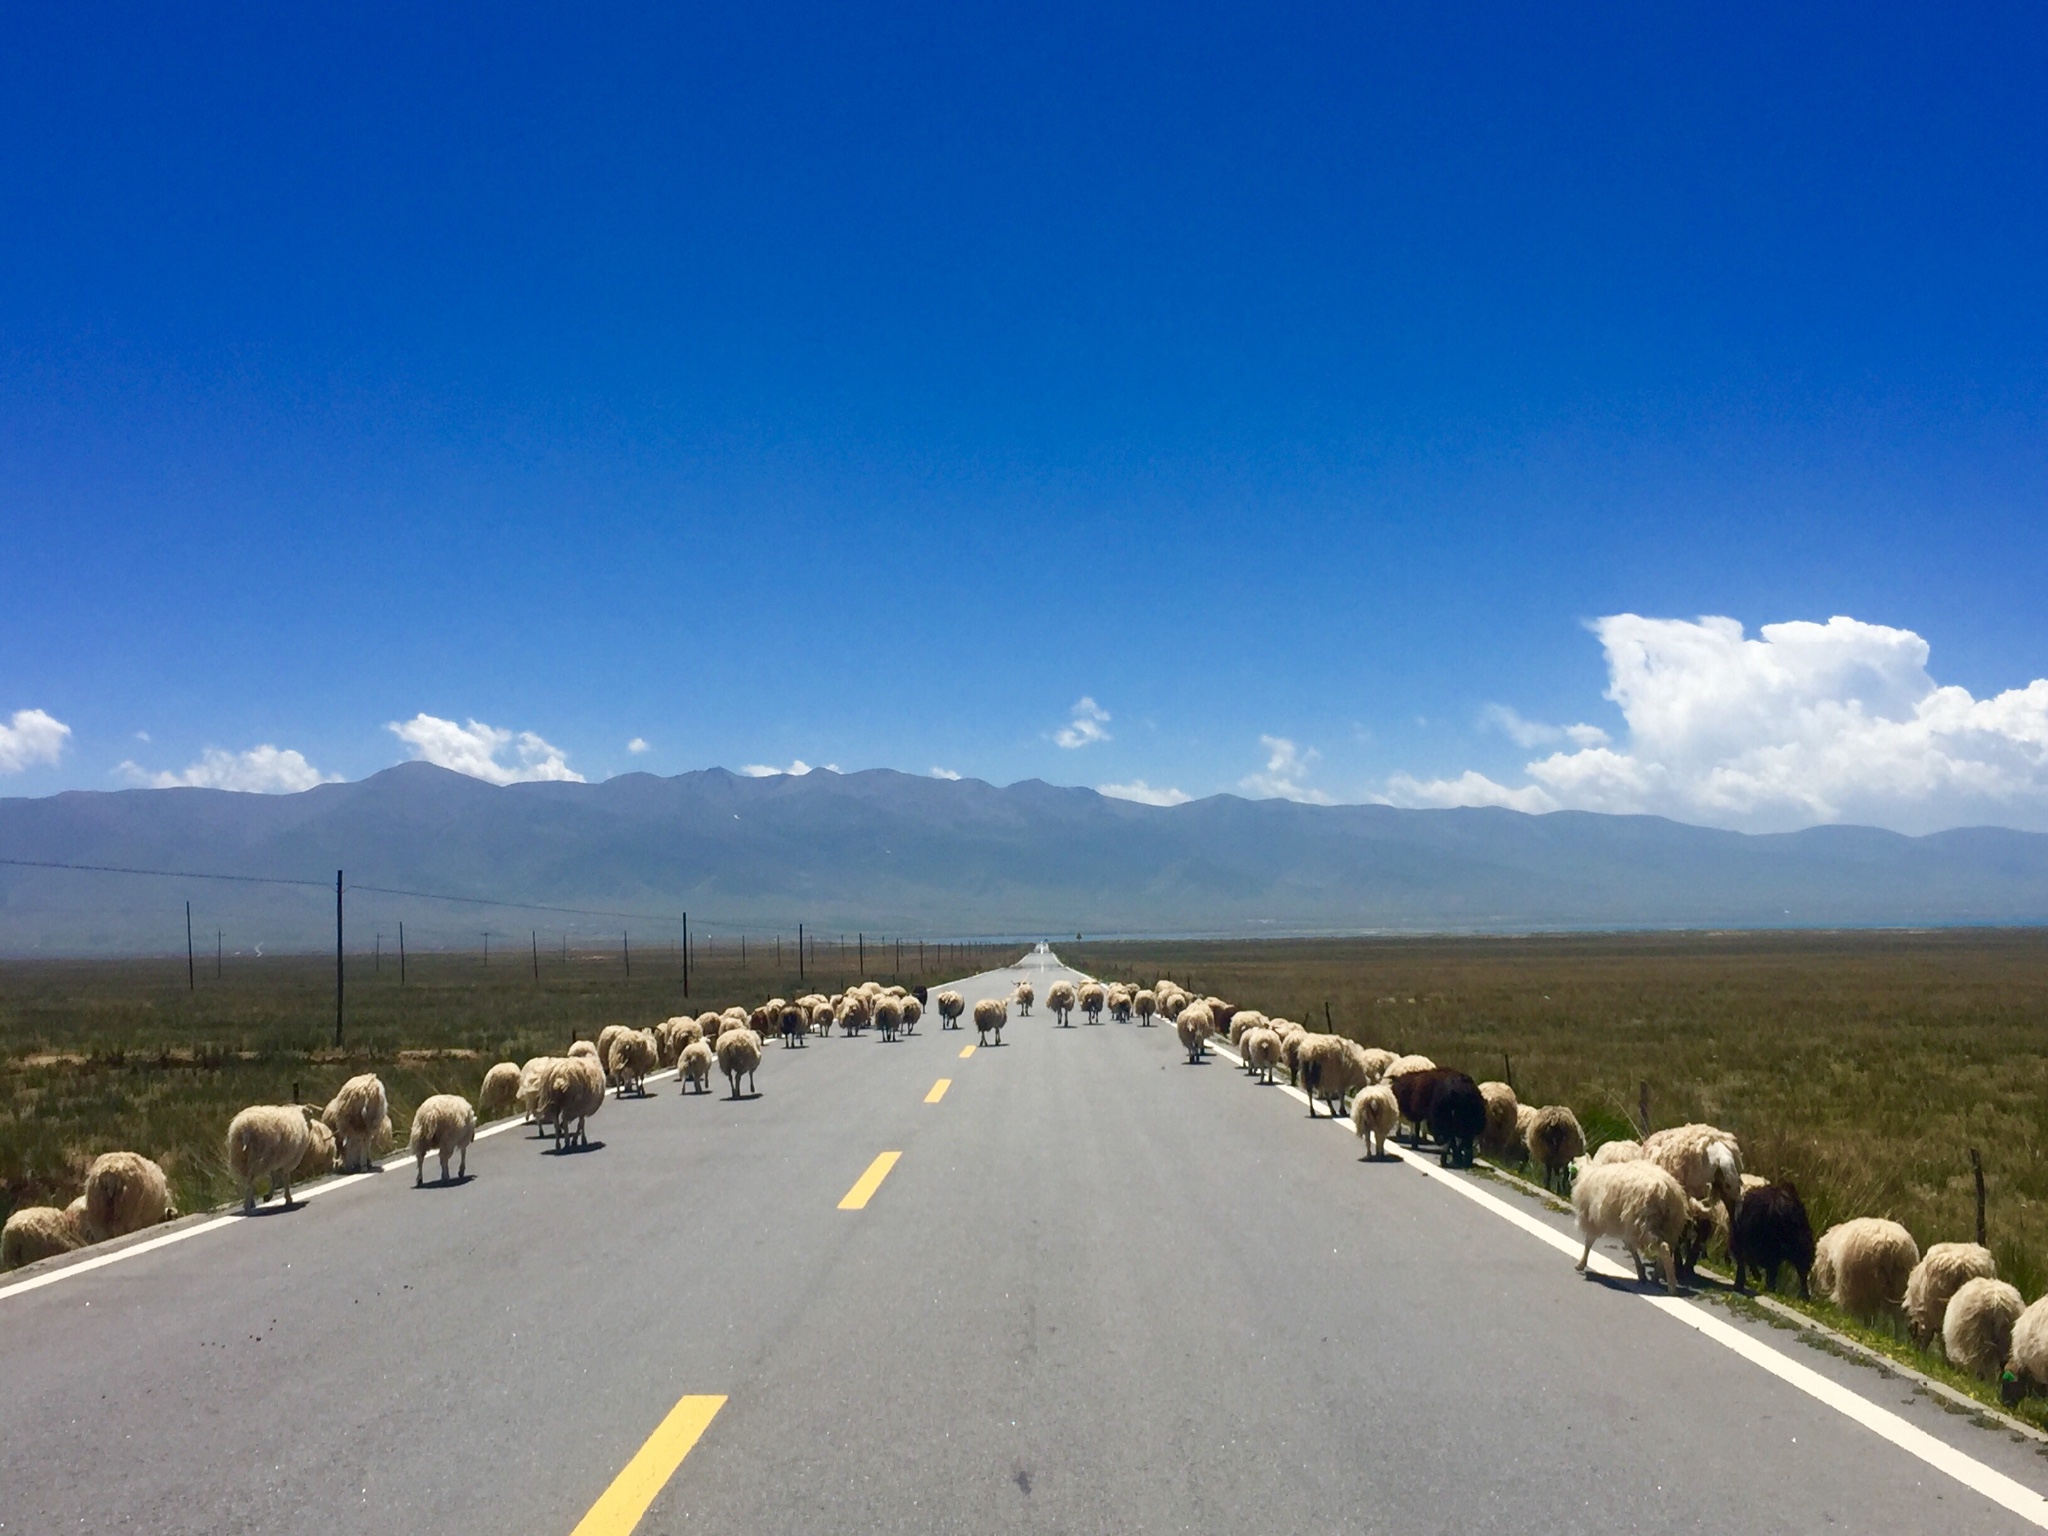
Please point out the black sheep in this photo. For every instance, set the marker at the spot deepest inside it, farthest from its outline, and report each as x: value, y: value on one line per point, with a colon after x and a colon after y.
x: 1457, y: 1114
x: 1771, y: 1228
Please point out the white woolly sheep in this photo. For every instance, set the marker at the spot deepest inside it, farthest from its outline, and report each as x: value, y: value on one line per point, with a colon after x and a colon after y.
x: 739, y: 1054
x: 587, y: 1049
x: 695, y: 1064
x: 854, y: 1011
x: 360, y: 1117
x: 1374, y: 1117
x: 1863, y: 1265
x: 1261, y: 1052
x: 1025, y: 998
x: 1941, y: 1272
x: 1120, y: 1003
x: 532, y: 1076
x: 572, y: 1090
x: 605, y: 1037
x: 1554, y: 1140
x: 1062, y: 1000
x: 990, y: 1015
x: 1329, y: 1068
x: 1375, y: 1060
x: 319, y: 1159
x: 1620, y: 1150
x: 1146, y: 1006
x: 1094, y: 998
x: 39, y: 1232
x: 268, y: 1141
x: 888, y: 1017
x: 951, y: 1006
x: 1290, y: 1050
x: 1525, y: 1117
x: 1503, y: 1117
x: 499, y: 1094
x: 125, y: 1192
x: 1641, y: 1204
x: 1171, y: 1001
x: 1243, y: 1020
x: 1706, y: 1161
x: 1193, y: 1026
x: 2026, y: 1368
x: 633, y: 1057
x: 1977, y: 1324
x: 444, y: 1124
x: 913, y: 1011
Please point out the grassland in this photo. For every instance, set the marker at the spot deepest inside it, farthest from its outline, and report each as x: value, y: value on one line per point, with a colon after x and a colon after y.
x: 100, y: 1055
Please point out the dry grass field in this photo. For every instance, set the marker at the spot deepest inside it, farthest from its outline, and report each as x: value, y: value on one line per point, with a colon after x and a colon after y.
x: 101, y: 1055
x: 1861, y: 1065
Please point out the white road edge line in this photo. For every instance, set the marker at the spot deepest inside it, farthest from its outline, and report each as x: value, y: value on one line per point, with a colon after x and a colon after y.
x: 1973, y: 1474
x: 328, y: 1186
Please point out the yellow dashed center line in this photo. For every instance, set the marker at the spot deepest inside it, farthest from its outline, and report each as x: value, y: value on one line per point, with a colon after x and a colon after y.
x: 938, y: 1090
x: 622, y: 1504
x: 966, y: 1051
x: 865, y: 1186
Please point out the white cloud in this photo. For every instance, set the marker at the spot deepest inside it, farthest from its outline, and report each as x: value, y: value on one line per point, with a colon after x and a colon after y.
x: 944, y: 773
x: 638, y: 745
x: 1086, y: 727
x: 796, y: 769
x: 1533, y: 733
x: 1144, y: 793
x: 264, y: 770
x: 478, y: 750
x: 1806, y: 723
x: 31, y: 737
x: 1286, y: 767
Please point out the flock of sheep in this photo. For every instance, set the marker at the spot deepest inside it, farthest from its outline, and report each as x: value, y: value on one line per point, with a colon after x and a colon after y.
x: 1663, y: 1197
x: 271, y: 1147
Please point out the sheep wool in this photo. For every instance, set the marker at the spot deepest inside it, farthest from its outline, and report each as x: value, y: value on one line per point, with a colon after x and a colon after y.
x: 499, y: 1094
x: 1862, y: 1265
x: 951, y: 1006
x: 1706, y: 1161
x: 269, y: 1141
x: 588, y: 1050
x: 695, y: 1065
x: 1261, y: 1052
x: 1374, y: 1117
x: 1639, y: 1203
x: 888, y: 1017
x: 531, y: 1077
x: 1290, y: 1050
x: 1243, y: 1020
x: 360, y: 1116
x: 319, y: 1159
x: 1094, y: 998
x: 1942, y: 1271
x: 125, y: 1192
x: 605, y: 1037
x: 1329, y: 1067
x: 444, y: 1125
x: 1377, y: 1060
x: 2026, y: 1368
x: 739, y: 1054
x: 1525, y: 1117
x: 1193, y: 1026
x: 633, y: 1057
x: 573, y: 1090
x: 1976, y: 1326
x: 1503, y: 1118
x: 1620, y: 1150
x: 1554, y: 1141
x: 913, y: 1011
x: 1146, y: 1006
x: 39, y: 1232
x: 1771, y: 1228
x: 990, y: 1015
x: 1025, y: 998
x: 1062, y: 999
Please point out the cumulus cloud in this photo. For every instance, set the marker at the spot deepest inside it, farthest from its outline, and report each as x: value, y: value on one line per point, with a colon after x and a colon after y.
x: 796, y: 770
x: 1286, y: 767
x: 31, y: 737
x: 944, y: 773
x: 481, y: 751
x: 264, y: 770
x: 1144, y: 793
x: 1804, y: 723
x: 638, y: 745
x: 1086, y: 727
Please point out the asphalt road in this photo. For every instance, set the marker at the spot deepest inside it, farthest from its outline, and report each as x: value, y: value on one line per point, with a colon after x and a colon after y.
x: 1101, y: 1291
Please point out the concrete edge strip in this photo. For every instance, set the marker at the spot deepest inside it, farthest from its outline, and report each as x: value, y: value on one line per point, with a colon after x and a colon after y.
x: 325, y: 1186
x: 1994, y: 1485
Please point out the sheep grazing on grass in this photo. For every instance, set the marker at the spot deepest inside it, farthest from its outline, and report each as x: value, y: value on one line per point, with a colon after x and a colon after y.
x: 2026, y: 1368
x: 1261, y: 1052
x: 605, y: 1038
x: 1193, y: 1026
x: 1062, y: 1000
x: 500, y: 1092
x: 1503, y: 1121
x: 1942, y: 1271
x: 445, y: 1125
x: 1025, y: 998
x: 1770, y: 1228
x: 360, y: 1117
x: 1094, y: 998
x: 695, y: 1064
x: 1863, y: 1265
x: 125, y: 1192
x: 739, y: 1054
x: 1146, y: 1006
x: 1706, y: 1161
x: 1637, y: 1202
x: 633, y: 1057
x: 1329, y: 1067
x: 990, y: 1015
x: 1977, y: 1324
x: 1620, y: 1150
x: 1525, y: 1117
x: 319, y: 1159
x: 913, y: 1010
x: 951, y: 1006
x: 1554, y: 1140
x: 1374, y: 1117
x: 888, y: 1017
x: 268, y: 1142
x: 572, y: 1091
x: 39, y: 1232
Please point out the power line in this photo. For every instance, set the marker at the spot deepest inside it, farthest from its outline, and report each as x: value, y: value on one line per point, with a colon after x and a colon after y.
x: 168, y: 874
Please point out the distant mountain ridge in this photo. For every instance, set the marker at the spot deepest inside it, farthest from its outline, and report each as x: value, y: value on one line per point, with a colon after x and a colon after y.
x: 897, y: 853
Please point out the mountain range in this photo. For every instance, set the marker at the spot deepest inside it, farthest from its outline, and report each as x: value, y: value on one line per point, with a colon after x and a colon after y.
x: 904, y: 855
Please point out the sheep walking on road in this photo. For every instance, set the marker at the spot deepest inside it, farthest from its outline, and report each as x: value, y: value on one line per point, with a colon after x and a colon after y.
x: 913, y: 1010
x: 1261, y: 1052
x: 695, y: 1065
x: 1639, y: 1203
x: 1329, y: 1068
x: 500, y: 1092
x: 990, y: 1015
x: 1555, y: 1140
x: 1146, y: 1006
x: 951, y: 1006
x: 1374, y: 1117
x: 634, y: 1055
x: 1062, y: 1001
x: 445, y: 1125
x: 1025, y: 998
x: 739, y: 1054
x: 572, y: 1091
x: 267, y: 1141
x: 888, y: 1018
x: 1193, y: 1026
x: 360, y: 1117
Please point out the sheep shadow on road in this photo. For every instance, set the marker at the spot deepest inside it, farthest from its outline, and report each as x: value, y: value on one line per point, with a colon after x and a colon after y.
x: 456, y: 1182
x: 1628, y: 1285
x: 573, y: 1150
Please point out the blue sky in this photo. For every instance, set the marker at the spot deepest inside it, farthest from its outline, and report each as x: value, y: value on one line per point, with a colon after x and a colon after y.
x: 1347, y: 405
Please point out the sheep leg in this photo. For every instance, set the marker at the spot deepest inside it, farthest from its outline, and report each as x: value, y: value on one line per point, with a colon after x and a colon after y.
x: 1670, y: 1270
x: 1586, y: 1257
x: 287, y: 1192
x: 249, y: 1198
x: 419, y: 1170
x: 444, y: 1165
x: 462, y: 1170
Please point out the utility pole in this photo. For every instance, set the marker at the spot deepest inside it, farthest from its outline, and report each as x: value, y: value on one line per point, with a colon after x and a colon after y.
x: 799, y: 952
x: 686, y: 954
x: 377, y: 957
x: 861, y: 954
x: 338, y: 1015
x: 536, y: 956
x: 401, y: 954
x: 191, y: 976
x: 220, y: 944
x: 487, y: 949
x: 626, y: 949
